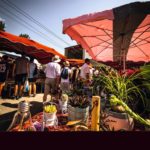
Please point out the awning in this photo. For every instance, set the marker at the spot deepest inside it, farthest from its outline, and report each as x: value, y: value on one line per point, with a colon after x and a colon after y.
x: 76, y: 61
x: 13, y: 43
x: 114, y: 35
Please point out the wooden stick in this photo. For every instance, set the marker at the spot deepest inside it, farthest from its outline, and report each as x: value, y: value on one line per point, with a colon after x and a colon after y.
x: 95, y: 113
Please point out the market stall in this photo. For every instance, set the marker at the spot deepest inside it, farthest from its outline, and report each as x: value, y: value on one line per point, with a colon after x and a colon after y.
x: 13, y: 43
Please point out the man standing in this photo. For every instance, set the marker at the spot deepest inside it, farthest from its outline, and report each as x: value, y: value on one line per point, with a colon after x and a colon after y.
x: 65, y: 76
x: 52, y: 71
x: 86, y: 77
x: 21, y: 71
x: 85, y: 73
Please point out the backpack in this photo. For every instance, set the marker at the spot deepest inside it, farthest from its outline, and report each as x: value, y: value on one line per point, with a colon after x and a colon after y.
x: 64, y: 73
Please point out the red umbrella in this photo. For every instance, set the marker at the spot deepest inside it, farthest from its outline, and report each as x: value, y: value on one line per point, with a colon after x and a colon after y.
x: 119, y: 34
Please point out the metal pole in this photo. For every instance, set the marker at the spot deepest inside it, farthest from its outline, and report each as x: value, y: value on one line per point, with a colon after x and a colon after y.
x: 124, y: 61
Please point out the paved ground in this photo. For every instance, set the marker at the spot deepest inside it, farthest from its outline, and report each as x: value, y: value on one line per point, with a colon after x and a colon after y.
x: 8, y: 107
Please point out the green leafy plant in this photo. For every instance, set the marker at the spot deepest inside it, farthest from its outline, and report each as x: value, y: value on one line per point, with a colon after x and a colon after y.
x: 144, y: 78
x: 79, y: 101
x: 122, y: 86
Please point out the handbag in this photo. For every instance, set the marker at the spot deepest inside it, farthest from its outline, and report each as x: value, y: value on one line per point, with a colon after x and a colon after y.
x: 26, y: 86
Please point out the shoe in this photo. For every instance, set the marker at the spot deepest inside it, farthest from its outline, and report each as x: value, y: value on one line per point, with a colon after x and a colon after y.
x: 17, y: 97
x: 29, y: 96
x: 20, y: 97
x: 13, y: 97
x: 34, y: 95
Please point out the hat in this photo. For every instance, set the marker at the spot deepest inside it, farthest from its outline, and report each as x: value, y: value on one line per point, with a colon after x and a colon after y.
x: 66, y: 63
x: 56, y: 59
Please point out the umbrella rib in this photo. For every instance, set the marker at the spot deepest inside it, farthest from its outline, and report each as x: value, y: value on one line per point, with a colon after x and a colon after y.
x: 100, y: 45
x: 141, y: 50
x: 141, y: 27
x: 107, y: 33
x: 132, y: 30
x: 140, y: 44
x: 104, y: 40
x: 101, y: 51
x: 140, y: 34
x: 104, y: 30
x: 143, y: 40
x: 99, y: 39
x: 93, y: 35
x: 140, y: 31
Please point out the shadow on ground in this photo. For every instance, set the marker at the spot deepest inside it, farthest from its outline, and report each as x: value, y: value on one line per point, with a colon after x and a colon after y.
x: 10, y: 105
x: 5, y: 119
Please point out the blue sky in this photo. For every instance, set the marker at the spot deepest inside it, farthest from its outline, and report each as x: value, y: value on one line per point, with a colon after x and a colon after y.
x: 50, y: 13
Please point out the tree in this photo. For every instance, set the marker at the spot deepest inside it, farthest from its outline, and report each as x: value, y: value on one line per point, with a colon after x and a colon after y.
x: 25, y: 36
x: 2, y: 25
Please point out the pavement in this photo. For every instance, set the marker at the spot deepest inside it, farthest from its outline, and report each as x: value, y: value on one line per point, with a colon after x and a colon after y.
x: 8, y: 108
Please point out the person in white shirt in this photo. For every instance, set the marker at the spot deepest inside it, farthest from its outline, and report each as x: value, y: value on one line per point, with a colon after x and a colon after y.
x: 65, y: 76
x: 85, y: 69
x: 52, y: 72
x: 86, y: 72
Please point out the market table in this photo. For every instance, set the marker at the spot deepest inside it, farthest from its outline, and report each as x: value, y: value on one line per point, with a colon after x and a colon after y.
x: 62, y: 121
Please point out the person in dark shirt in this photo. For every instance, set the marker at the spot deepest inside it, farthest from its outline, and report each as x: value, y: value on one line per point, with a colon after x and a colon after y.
x: 3, y: 72
x: 32, y: 77
x: 21, y: 73
x: 75, y: 76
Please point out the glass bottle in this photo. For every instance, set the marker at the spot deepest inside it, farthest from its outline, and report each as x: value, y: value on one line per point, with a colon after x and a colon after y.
x: 21, y: 116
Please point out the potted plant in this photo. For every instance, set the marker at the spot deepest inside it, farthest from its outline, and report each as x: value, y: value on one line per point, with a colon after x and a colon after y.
x: 49, y: 114
x: 124, y: 88
x: 78, y: 108
x: 114, y: 101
